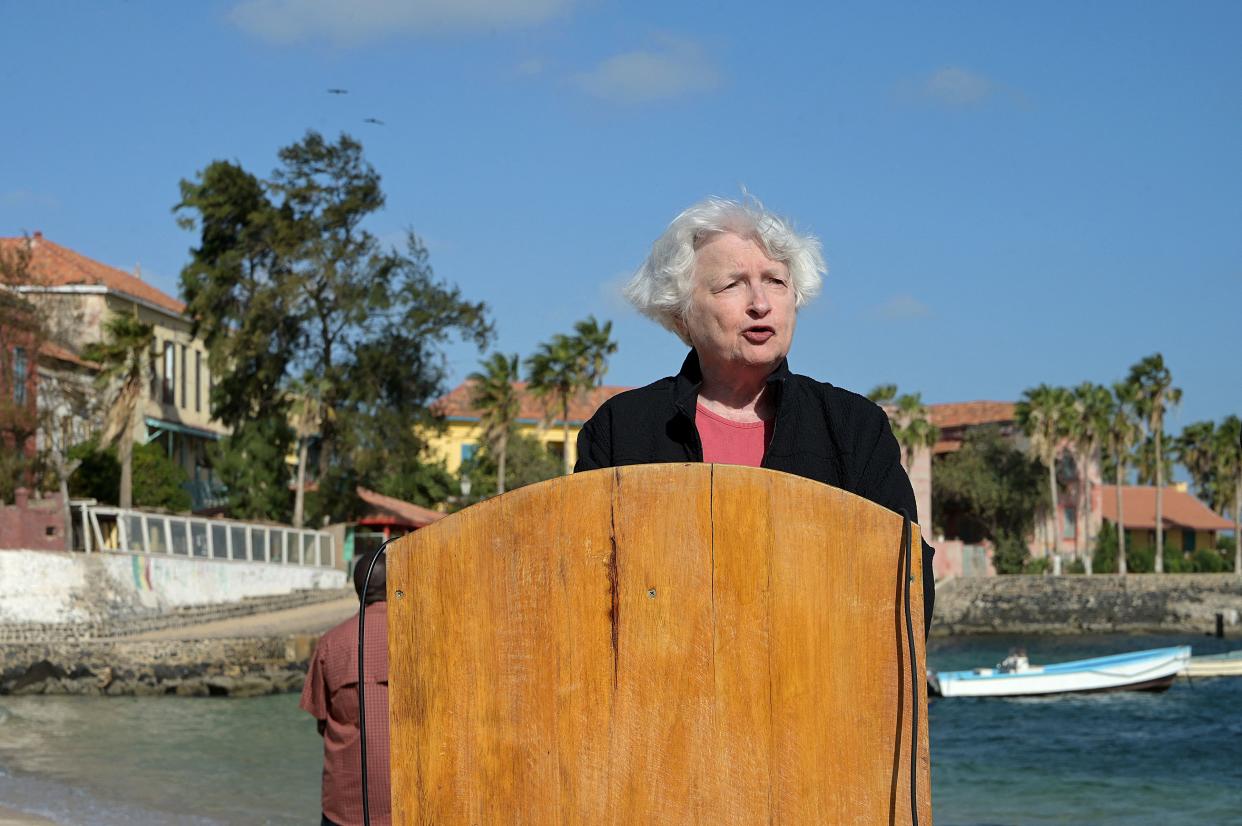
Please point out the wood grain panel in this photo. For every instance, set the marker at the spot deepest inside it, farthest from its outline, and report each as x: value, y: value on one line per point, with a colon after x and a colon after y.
x: 656, y: 644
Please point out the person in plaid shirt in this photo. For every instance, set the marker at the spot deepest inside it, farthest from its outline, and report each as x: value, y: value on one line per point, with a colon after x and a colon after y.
x: 331, y: 697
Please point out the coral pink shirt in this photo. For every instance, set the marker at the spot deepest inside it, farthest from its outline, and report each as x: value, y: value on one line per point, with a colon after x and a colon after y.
x: 732, y: 443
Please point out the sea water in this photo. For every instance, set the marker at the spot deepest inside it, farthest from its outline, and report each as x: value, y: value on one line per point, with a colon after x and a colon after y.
x: 1126, y: 758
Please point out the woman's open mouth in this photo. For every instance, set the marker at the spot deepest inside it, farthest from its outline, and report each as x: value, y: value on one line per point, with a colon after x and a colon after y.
x: 758, y: 335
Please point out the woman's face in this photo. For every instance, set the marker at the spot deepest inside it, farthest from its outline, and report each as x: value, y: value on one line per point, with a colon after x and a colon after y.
x: 742, y: 313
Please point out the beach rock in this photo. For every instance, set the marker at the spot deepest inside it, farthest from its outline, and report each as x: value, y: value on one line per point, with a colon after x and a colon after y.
x: 191, y: 688
x: 146, y: 689
x: 37, y: 674
x: 219, y: 685
x: 251, y: 686
x: 120, y: 688
x: 80, y: 687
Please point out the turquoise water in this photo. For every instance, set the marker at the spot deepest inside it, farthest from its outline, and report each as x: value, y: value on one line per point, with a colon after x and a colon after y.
x: 1134, y: 759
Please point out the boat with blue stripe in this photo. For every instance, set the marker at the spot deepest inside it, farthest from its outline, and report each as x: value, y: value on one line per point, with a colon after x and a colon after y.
x: 1150, y: 670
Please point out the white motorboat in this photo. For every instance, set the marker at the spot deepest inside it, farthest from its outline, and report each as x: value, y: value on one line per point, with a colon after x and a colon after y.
x: 1151, y: 670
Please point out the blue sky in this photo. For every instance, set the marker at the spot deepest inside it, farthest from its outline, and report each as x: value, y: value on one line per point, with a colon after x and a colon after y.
x: 1006, y: 195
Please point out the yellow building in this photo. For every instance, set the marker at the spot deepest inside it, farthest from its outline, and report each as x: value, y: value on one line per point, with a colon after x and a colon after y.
x: 463, y: 436
x: 1189, y: 525
x: 81, y: 293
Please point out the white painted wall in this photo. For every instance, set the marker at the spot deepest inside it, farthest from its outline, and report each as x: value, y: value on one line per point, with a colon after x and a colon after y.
x: 53, y: 587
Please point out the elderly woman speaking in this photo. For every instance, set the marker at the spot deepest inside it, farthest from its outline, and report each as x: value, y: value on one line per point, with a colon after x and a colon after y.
x: 728, y: 279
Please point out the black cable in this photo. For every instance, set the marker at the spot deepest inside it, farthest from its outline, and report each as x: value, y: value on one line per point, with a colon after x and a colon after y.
x: 362, y: 705
x: 914, y: 671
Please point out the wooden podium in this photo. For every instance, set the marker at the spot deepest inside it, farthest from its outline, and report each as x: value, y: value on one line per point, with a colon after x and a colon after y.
x: 658, y: 644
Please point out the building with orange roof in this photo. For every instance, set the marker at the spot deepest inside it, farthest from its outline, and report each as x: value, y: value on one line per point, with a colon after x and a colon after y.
x: 82, y: 293
x: 463, y: 436
x: 1188, y: 524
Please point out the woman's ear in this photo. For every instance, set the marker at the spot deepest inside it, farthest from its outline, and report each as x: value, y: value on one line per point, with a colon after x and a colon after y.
x: 682, y: 329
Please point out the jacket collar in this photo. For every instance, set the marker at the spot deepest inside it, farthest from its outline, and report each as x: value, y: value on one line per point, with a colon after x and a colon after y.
x: 690, y: 378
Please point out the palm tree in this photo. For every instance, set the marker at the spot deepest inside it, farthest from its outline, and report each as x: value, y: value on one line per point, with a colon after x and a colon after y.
x: 495, y: 397
x: 1123, y: 432
x: 1043, y: 414
x: 1196, y: 449
x: 123, y: 357
x: 307, y: 412
x: 1229, y: 474
x: 597, y: 345
x: 883, y: 394
x: 1155, y: 394
x: 558, y: 372
x: 913, y: 428
x: 1087, y: 429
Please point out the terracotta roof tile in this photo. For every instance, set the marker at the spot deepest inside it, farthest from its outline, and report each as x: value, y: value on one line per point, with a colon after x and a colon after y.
x: 965, y: 414
x: 1180, y: 510
x: 55, y: 265
x: 456, y: 403
x: 415, y: 515
x: 59, y: 353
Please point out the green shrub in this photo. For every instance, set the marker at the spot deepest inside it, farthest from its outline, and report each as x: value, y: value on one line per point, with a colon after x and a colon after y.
x: 98, y: 476
x: 1210, y: 561
x: 1104, y: 556
x: 159, y: 482
x: 1041, y: 565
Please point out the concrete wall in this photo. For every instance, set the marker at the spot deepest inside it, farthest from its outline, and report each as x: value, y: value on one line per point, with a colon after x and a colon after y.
x: 59, y: 587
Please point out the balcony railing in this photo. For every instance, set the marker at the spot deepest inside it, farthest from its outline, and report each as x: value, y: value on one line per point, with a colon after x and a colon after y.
x: 131, y: 531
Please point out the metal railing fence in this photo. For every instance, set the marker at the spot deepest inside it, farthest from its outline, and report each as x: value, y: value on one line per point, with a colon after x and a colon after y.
x: 132, y: 531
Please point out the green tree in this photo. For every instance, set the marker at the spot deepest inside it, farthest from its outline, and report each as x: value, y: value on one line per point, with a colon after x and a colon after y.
x: 495, y: 397
x: 528, y: 463
x: 305, y: 412
x: 557, y: 373
x: 1196, y: 449
x: 911, y: 420
x: 159, y: 482
x: 250, y: 462
x: 597, y: 346
x: 993, y: 490
x: 1155, y: 394
x: 883, y: 394
x: 292, y: 291
x: 1122, y: 432
x: 1087, y: 428
x: 123, y: 357
x: 1043, y: 413
x: 22, y: 333
x: 913, y: 428
x: 98, y: 473
x: 1229, y: 476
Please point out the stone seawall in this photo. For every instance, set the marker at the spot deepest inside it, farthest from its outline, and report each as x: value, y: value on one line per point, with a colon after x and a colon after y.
x: 238, y: 667
x: 1175, y: 603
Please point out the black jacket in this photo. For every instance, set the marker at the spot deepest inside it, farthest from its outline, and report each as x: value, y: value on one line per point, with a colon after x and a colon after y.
x: 821, y: 432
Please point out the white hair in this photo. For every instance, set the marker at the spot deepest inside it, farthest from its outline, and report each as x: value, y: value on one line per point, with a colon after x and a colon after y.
x: 661, y: 288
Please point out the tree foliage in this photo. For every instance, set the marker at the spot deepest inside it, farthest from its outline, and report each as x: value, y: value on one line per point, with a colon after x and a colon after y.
x: 290, y: 290
x: 528, y: 462
x: 565, y: 366
x: 495, y: 396
x: 250, y: 463
x: 123, y: 356
x: 1044, y: 413
x: 994, y: 490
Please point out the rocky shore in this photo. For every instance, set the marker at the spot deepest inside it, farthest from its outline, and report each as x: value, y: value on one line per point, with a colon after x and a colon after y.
x: 184, y: 668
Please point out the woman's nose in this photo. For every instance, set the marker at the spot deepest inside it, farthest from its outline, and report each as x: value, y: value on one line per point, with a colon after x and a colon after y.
x: 759, y: 304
